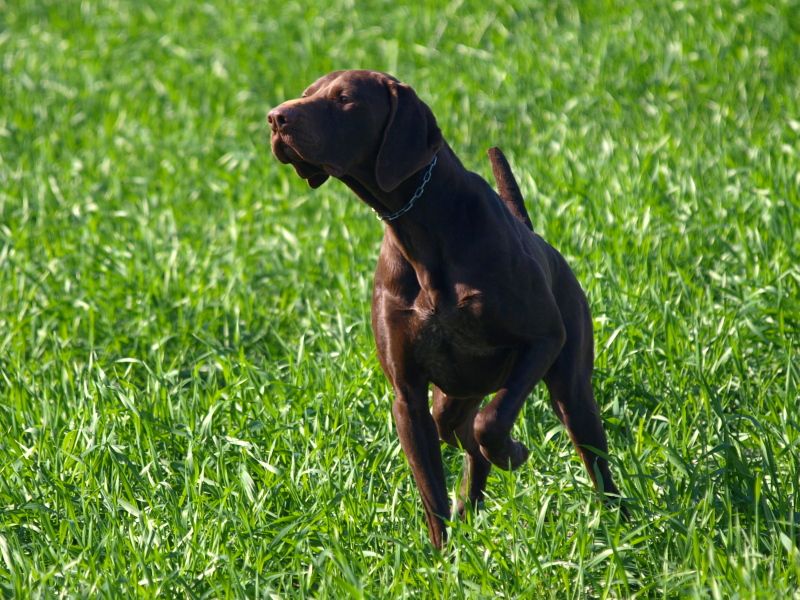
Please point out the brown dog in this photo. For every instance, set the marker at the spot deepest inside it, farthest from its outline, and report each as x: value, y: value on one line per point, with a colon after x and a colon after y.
x: 466, y: 296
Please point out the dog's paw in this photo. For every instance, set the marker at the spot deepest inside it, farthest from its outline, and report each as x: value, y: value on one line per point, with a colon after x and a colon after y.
x: 508, y: 457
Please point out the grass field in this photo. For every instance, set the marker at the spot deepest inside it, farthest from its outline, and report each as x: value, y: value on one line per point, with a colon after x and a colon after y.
x: 190, y: 403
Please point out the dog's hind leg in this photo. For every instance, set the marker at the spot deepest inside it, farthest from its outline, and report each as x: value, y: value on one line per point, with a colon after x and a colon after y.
x: 569, y: 382
x: 454, y: 418
x: 574, y: 404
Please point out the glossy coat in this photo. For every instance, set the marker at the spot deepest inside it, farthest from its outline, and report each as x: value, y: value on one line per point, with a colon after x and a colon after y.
x: 467, y: 298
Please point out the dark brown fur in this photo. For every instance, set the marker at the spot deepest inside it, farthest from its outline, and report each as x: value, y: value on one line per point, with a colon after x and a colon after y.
x: 466, y: 296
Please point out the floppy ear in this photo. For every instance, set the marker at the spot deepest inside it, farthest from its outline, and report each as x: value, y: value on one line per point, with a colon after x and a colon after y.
x: 410, y: 140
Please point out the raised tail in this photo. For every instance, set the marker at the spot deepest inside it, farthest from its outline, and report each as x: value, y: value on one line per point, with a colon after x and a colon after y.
x: 507, y: 186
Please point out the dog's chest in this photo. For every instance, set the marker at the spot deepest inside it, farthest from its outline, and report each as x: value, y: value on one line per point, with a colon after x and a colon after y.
x: 454, y: 343
x: 459, y: 324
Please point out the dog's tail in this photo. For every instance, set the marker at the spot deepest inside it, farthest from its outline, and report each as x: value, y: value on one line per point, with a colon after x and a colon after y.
x: 507, y: 186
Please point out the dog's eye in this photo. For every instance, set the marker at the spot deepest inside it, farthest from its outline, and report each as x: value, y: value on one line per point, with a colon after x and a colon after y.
x: 344, y: 99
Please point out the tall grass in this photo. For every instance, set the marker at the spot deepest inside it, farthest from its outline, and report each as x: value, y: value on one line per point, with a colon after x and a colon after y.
x: 189, y: 399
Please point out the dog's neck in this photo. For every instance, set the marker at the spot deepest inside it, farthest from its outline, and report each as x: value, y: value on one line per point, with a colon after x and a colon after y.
x: 429, y: 208
x: 424, y: 234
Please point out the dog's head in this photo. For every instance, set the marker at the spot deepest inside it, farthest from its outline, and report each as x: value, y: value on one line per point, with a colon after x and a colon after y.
x: 355, y: 119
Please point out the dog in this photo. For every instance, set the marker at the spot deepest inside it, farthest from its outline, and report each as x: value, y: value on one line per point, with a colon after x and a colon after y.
x: 466, y: 298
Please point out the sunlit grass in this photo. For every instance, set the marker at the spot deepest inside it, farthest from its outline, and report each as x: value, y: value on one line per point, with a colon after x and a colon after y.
x: 189, y: 399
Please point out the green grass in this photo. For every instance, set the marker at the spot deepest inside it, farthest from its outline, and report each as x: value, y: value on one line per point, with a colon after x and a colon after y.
x: 190, y: 403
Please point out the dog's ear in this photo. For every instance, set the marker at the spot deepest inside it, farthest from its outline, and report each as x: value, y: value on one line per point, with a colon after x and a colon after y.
x: 410, y: 140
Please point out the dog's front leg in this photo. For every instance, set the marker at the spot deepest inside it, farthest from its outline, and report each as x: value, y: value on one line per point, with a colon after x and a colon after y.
x: 420, y: 442
x: 494, y: 422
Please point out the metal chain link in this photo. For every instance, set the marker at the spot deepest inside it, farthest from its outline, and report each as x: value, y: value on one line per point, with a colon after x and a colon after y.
x: 420, y: 190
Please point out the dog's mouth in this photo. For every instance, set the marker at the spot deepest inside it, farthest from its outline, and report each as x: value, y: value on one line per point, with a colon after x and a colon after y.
x: 287, y: 153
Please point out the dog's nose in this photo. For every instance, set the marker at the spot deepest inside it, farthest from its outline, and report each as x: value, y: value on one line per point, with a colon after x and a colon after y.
x: 278, y: 118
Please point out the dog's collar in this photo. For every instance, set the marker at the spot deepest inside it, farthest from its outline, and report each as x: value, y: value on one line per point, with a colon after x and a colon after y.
x: 420, y: 190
